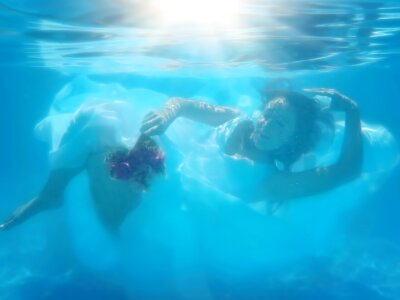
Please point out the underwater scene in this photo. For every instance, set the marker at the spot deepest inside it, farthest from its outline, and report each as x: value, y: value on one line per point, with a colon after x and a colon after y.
x: 200, y: 150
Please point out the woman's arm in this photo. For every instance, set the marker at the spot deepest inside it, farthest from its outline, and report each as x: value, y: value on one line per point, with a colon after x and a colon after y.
x: 157, y: 122
x: 50, y: 197
x: 288, y: 185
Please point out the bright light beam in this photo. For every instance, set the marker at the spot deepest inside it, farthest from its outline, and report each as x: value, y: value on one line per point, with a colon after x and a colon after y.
x: 207, y: 13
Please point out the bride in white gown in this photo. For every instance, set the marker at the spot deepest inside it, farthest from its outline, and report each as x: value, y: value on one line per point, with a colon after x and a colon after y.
x: 271, y: 188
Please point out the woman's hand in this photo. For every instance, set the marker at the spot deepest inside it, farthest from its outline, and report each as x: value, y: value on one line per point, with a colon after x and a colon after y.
x: 3, y: 227
x: 10, y: 222
x: 339, y: 101
x: 157, y: 122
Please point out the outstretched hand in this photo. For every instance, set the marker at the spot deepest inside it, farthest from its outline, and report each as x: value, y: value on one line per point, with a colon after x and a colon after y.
x: 339, y: 101
x: 8, y: 223
x: 157, y: 122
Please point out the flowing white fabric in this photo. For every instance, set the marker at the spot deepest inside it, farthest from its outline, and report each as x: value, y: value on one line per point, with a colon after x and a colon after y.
x: 196, y: 218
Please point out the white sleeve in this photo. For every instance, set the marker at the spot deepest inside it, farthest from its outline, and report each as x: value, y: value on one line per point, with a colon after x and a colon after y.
x: 380, y: 150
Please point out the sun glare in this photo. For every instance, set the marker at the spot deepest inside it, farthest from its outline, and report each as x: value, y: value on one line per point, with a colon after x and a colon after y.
x: 198, y: 12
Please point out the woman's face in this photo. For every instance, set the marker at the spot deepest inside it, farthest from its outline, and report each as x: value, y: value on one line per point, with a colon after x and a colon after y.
x: 275, y: 126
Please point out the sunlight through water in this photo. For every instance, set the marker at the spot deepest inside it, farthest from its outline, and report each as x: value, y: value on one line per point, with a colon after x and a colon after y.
x: 201, y: 13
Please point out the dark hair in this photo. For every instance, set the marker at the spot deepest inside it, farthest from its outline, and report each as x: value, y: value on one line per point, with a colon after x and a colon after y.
x: 311, y: 122
x: 145, y: 157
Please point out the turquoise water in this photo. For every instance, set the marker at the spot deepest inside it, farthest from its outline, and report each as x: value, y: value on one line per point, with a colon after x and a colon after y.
x: 127, y: 50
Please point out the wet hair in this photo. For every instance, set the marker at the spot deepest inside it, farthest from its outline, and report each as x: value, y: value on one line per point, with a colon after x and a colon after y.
x: 138, y: 163
x: 311, y: 122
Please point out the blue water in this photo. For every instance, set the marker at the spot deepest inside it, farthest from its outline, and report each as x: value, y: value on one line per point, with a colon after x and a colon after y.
x: 350, y: 46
